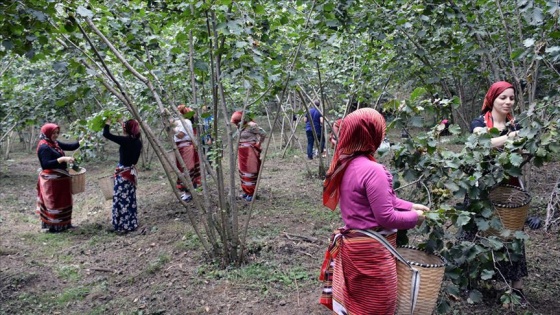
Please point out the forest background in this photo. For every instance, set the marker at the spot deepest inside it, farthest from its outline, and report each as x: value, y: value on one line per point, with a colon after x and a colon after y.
x: 77, y: 63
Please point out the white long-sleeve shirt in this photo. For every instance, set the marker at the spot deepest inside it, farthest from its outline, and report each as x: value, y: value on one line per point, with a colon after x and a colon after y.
x: 178, y: 128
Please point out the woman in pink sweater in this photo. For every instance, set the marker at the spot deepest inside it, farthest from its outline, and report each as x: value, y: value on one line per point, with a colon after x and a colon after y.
x: 359, y: 272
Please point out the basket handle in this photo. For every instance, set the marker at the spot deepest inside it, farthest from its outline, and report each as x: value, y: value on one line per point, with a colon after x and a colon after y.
x: 415, y: 279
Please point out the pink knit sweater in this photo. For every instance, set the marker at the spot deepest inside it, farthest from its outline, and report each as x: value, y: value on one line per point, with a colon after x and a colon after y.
x: 367, y: 199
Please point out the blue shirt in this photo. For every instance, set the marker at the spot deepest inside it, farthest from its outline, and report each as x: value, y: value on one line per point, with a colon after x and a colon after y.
x: 315, y: 118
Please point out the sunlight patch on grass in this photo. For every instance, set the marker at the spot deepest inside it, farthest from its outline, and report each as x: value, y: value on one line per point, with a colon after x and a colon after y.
x: 266, y: 273
x: 51, y: 244
x: 69, y: 272
x: 25, y: 217
x: 189, y: 241
x: 157, y: 264
x: 40, y: 301
x: 72, y: 294
x: 100, y: 239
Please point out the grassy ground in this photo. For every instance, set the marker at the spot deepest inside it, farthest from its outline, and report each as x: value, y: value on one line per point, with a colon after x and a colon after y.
x: 162, y: 268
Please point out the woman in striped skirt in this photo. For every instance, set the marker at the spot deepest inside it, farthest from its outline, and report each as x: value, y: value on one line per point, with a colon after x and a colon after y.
x: 359, y: 273
x: 54, y: 187
x: 248, y: 153
x: 183, y: 136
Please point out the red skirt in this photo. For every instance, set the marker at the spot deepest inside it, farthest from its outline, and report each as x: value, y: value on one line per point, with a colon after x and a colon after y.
x: 54, y: 199
x: 192, y: 162
x: 363, y: 274
x: 249, y: 163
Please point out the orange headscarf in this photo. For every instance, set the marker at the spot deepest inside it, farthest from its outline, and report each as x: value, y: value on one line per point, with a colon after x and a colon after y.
x: 493, y: 92
x: 361, y: 134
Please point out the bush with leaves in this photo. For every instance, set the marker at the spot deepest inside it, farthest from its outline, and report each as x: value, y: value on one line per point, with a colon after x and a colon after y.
x: 448, y: 176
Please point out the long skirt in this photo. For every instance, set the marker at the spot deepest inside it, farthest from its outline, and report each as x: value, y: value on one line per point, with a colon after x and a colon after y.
x: 363, y: 275
x: 54, y: 200
x: 249, y: 163
x: 192, y: 162
x: 124, y: 205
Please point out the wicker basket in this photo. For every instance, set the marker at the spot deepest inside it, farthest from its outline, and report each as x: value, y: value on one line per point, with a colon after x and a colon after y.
x: 78, y: 180
x: 107, y: 185
x: 511, y: 204
x: 431, y: 268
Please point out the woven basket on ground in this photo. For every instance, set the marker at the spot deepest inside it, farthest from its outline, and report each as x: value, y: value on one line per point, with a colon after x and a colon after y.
x: 78, y: 180
x: 511, y: 204
x: 431, y: 268
x: 107, y: 183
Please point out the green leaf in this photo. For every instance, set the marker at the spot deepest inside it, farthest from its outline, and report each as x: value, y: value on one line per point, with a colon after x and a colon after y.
x: 520, y: 235
x: 451, y: 186
x: 487, y: 274
x: 474, y: 297
x: 482, y: 224
x: 418, y: 92
x: 516, y: 159
x: 417, y: 121
x: 529, y: 42
x: 463, y: 219
x: 259, y: 9
x: 82, y: 11
x: 494, y: 243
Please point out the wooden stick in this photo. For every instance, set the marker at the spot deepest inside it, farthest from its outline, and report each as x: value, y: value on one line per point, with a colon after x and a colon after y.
x: 305, y: 238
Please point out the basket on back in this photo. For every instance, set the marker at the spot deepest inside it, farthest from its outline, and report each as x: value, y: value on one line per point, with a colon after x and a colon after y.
x: 78, y: 180
x: 431, y: 268
x: 107, y: 183
x: 511, y: 204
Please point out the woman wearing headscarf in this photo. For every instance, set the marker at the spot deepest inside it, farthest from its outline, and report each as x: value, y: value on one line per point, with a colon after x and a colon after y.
x: 248, y: 153
x: 125, y: 207
x: 359, y: 273
x: 183, y: 135
x: 54, y: 187
x: 496, y: 112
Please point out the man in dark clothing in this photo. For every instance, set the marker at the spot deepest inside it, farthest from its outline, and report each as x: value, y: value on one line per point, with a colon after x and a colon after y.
x: 315, y: 119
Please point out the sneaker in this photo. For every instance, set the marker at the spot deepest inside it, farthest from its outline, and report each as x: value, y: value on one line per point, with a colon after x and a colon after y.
x: 186, y: 197
x: 249, y: 198
x: 243, y: 196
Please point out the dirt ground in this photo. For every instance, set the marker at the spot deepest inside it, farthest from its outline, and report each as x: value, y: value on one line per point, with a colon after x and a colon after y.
x: 162, y: 269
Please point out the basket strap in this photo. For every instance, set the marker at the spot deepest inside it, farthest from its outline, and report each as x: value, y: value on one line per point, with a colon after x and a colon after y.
x: 415, y: 278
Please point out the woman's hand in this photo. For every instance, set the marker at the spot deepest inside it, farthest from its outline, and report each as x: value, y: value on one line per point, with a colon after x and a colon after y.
x: 420, y: 209
x: 513, y: 134
x: 65, y: 159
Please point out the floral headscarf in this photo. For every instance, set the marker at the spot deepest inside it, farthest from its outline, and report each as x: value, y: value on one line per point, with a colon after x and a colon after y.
x: 45, y: 138
x: 361, y: 133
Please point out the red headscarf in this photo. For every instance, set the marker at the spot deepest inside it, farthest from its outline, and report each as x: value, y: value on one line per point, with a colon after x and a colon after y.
x: 184, y: 109
x: 361, y: 133
x: 236, y: 117
x: 495, y: 90
x: 132, y: 128
x: 46, y: 133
